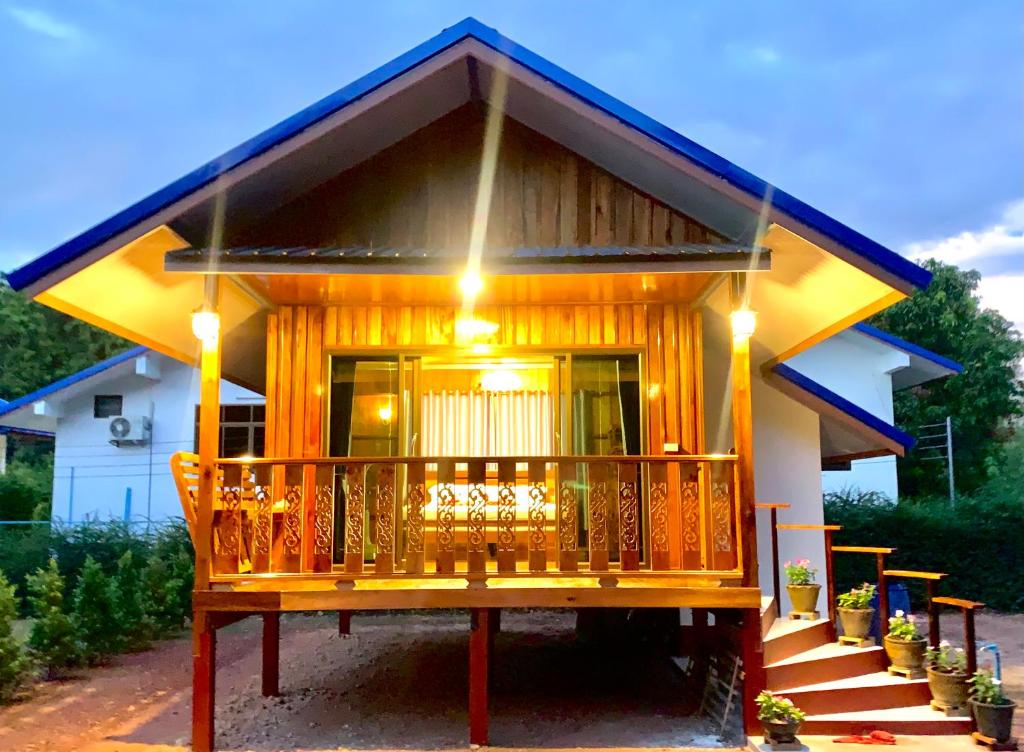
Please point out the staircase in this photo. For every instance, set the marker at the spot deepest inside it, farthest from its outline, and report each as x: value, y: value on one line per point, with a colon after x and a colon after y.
x: 846, y: 690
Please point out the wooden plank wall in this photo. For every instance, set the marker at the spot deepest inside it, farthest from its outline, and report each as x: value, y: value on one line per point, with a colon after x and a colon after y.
x: 420, y: 193
x: 299, y: 336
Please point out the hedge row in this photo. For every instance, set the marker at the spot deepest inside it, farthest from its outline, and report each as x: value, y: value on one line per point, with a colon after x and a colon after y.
x: 978, y: 542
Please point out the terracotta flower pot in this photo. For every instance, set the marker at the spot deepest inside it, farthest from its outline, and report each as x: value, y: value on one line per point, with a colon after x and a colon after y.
x: 949, y: 690
x: 780, y: 732
x: 856, y: 621
x: 906, y: 654
x: 803, y: 597
x: 995, y: 721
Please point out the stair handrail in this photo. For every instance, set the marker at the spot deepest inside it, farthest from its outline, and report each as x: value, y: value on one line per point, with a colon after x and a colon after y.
x: 880, y: 553
x: 829, y: 577
x: 967, y: 608
x: 931, y: 580
x: 774, y: 512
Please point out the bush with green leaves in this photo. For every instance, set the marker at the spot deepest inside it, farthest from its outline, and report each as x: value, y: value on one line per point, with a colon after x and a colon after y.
x: 13, y: 661
x: 52, y: 642
x: 976, y: 540
x: 858, y: 598
x: 135, y: 626
x: 987, y: 690
x: 95, y: 613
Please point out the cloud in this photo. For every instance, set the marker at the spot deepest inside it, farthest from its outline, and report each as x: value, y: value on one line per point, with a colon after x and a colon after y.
x: 757, y: 55
x: 979, y: 249
x: 43, y: 23
x: 996, y: 251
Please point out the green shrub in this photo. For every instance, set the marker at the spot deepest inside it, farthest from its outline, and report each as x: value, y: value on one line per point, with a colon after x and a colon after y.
x: 23, y: 550
x: 23, y: 489
x: 135, y: 626
x: 162, y: 594
x: 975, y: 540
x: 52, y: 642
x: 95, y: 613
x: 13, y: 662
x: 106, y: 542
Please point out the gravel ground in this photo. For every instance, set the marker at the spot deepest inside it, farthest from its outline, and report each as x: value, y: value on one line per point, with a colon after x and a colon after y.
x: 398, y: 682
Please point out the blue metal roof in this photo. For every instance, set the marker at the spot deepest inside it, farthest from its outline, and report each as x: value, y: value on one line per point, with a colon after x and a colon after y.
x: 844, y: 405
x: 74, y: 378
x: 908, y: 347
x: 470, y: 28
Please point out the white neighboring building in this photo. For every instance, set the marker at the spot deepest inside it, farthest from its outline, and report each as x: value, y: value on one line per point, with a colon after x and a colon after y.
x: 97, y: 475
x: 864, y: 366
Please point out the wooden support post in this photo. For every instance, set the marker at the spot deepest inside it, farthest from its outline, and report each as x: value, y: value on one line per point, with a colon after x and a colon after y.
x: 204, y: 660
x: 754, y: 674
x: 831, y: 582
x: 934, y: 638
x: 209, y: 437
x: 479, y: 643
x: 271, y: 653
x: 970, y: 642
x: 776, y: 588
x: 883, y: 594
x: 743, y: 436
x: 344, y: 622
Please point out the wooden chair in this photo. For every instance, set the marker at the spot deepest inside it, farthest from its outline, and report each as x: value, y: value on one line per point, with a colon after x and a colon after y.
x: 232, y: 513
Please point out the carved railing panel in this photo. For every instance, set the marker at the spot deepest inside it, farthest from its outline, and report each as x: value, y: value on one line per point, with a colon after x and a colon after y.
x: 516, y: 516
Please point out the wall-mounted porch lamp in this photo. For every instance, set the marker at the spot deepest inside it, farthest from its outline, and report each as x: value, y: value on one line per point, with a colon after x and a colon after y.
x: 744, y: 322
x: 206, y: 326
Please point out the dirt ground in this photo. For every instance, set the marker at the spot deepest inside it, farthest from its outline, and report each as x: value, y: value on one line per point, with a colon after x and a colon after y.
x: 398, y: 682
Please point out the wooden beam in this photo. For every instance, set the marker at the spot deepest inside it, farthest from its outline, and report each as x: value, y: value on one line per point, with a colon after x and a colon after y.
x: 209, y: 439
x: 743, y: 439
x: 271, y: 654
x: 479, y: 658
x: 204, y: 669
x: 755, y: 678
x: 344, y: 622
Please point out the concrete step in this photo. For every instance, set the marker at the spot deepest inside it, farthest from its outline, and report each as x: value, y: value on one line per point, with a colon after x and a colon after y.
x: 822, y: 664
x: 788, y: 637
x: 877, y: 691
x: 920, y: 719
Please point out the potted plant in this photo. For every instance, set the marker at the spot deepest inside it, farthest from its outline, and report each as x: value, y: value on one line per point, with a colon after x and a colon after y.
x: 779, y: 717
x: 993, y: 711
x: 803, y: 592
x: 947, y: 675
x: 855, y: 611
x: 904, y: 645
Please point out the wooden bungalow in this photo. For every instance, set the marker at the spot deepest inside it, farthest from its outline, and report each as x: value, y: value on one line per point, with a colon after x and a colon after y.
x: 517, y: 341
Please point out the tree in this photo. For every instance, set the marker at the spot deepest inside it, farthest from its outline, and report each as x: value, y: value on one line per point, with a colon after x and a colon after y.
x: 162, y: 601
x: 95, y: 614
x: 46, y: 345
x: 13, y: 663
x: 52, y: 641
x: 135, y: 626
x: 983, y: 401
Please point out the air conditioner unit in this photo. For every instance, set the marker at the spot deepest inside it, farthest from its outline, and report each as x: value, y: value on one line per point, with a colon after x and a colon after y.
x: 129, y: 430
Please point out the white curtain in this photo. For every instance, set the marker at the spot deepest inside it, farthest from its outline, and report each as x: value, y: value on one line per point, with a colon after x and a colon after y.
x: 492, y: 424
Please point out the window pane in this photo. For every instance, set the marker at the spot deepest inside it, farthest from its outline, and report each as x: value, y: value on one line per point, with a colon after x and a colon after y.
x: 236, y: 413
x: 259, y: 413
x: 364, y: 407
x: 106, y: 405
x: 234, y: 441
x: 258, y: 441
x: 606, y: 404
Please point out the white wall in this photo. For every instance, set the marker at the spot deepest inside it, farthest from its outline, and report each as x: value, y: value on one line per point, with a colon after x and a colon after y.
x: 91, y: 476
x: 858, y: 368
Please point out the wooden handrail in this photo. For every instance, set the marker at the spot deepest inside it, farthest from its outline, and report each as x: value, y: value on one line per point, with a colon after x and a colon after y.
x: 931, y: 580
x: 830, y: 588
x: 914, y: 575
x: 774, y: 512
x: 967, y: 608
x: 958, y: 602
x: 864, y: 550
x: 461, y: 460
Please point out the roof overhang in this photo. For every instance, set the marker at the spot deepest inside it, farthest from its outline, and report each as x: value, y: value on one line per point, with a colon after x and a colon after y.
x: 922, y: 365
x: 848, y: 432
x: 824, y: 275
x: 34, y: 412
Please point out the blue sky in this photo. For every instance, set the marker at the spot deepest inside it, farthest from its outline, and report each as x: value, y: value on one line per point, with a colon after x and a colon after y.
x: 904, y: 120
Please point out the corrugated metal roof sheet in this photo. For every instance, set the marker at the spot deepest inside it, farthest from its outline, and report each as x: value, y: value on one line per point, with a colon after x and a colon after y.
x: 428, y: 257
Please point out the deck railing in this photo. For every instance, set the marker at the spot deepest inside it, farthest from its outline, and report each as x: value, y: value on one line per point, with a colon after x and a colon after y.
x: 484, y: 516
